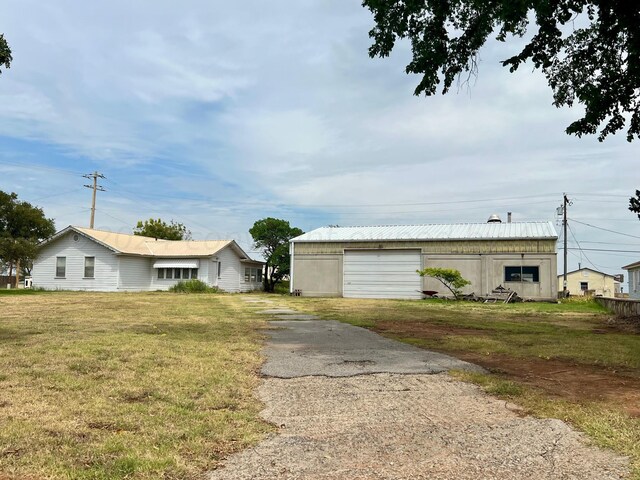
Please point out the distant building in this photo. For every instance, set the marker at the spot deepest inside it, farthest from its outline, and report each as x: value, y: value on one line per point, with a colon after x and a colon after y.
x: 587, y: 281
x: 634, y: 279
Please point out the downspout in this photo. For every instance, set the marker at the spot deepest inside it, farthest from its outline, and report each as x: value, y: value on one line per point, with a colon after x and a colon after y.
x: 291, y: 254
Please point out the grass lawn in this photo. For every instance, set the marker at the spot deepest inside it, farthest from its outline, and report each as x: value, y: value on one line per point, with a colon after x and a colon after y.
x: 567, y: 361
x: 114, y: 386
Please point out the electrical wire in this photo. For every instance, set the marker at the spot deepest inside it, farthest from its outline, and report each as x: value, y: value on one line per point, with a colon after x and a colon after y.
x: 604, y: 229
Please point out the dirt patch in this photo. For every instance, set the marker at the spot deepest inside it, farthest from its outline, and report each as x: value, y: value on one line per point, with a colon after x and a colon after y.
x: 560, y: 378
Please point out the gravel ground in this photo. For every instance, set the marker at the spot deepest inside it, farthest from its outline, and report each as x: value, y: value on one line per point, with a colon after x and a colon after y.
x: 390, y: 426
x: 341, y: 419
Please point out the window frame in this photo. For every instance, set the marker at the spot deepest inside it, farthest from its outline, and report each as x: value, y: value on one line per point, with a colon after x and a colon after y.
x: 219, y: 269
x: 161, y: 273
x: 92, y: 267
x: 63, y: 267
x: 534, y: 272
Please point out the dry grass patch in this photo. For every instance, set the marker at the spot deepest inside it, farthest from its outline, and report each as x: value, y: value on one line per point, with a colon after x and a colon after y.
x: 108, y: 386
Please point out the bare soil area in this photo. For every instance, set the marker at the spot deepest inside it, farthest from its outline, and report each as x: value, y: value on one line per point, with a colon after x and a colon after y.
x: 560, y: 378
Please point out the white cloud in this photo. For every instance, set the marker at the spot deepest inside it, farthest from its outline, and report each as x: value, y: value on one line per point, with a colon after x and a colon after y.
x: 217, y: 114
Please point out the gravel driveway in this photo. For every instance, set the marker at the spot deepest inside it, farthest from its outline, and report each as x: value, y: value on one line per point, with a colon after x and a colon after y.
x: 402, y: 420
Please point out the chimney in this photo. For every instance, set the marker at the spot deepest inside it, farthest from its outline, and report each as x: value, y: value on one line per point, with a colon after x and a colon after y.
x: 508, y: 217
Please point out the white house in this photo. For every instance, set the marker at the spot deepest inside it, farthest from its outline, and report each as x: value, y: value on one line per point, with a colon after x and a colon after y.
x: 86, y: 259
x: 634, y: 279
x: 381, y: 261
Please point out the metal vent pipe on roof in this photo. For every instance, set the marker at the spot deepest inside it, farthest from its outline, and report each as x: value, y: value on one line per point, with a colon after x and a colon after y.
x: 494, y: 218
x: 508, y: 217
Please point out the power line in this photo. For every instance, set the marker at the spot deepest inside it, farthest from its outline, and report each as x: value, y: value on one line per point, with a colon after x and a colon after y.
x: 602, y: 228
x: 40, y: 167
x: 601, y: 250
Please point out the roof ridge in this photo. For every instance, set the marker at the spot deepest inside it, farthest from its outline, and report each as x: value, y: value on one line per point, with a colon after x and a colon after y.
x: 434, y: 224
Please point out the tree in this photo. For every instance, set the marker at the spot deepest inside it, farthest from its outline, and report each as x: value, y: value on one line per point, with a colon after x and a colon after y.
x: 596, y: 64
x: 449, y: 277
x: 5, y: 53
x: 634, y: 203
x: 272, y: 235
x: 22, y: 227
x: 161, y: 229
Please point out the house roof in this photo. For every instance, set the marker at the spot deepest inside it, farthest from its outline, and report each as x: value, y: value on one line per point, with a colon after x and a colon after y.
x: 590, y: 269
x: 631, y: 265
x: 457, y: 231
x: 147, y: 246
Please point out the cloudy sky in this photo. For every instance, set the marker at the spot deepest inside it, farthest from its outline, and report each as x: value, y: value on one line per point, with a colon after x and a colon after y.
x: 216, y: 114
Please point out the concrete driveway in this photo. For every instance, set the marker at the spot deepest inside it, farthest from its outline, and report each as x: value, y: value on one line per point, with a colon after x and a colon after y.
x: 350, y: 404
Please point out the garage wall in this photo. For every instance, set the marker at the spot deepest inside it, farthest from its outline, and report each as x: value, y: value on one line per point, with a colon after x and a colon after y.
x: 470, y: 266
x: 318, y: 275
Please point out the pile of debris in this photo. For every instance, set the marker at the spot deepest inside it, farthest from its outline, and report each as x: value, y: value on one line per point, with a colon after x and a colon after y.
x: 497, y: 295
x: 502, y: 295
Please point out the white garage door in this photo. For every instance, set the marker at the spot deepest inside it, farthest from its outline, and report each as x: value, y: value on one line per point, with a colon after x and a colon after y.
x: 382, y: 274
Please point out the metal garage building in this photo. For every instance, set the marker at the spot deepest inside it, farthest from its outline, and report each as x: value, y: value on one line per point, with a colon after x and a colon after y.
x: 381, y: 261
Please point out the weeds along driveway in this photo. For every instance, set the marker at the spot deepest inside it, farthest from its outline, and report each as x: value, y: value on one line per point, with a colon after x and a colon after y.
x: 352, y: 405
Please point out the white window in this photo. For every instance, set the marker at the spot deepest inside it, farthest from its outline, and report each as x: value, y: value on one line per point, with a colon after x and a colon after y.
x: 252, y: 274
x: 219, y: 269
x: 89, y: 267
x: 161, y: 274
x: 194, y: 273
x: 169, y: 273
x: 61, y: 267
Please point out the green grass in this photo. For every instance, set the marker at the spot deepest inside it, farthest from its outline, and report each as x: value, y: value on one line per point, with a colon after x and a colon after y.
x: 192, y: 286
x: 563, y: 331
x: 135, y: 386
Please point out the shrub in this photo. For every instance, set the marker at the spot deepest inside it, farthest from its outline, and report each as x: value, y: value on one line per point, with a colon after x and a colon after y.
x: 192, y: 286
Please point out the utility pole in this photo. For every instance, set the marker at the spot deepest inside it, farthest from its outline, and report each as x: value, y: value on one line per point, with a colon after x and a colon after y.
x: 95, y: 187
x: 565, y: 204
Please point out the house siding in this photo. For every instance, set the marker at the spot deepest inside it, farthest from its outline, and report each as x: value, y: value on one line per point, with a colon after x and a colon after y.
x: 229, y: 279
x: 634, y: 283
x: 134, y: 273
x: 105, y: 270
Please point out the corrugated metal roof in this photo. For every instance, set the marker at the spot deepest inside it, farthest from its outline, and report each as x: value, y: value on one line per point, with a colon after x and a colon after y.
x: 457, y: 231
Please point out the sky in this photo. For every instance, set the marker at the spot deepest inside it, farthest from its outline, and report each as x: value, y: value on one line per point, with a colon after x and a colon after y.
x: 217, y: 114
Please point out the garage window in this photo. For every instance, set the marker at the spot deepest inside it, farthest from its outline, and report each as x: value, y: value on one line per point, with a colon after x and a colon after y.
x: 522, y: 274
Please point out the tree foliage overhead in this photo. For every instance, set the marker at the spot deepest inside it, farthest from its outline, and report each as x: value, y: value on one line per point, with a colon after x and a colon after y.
x: 5, y: 53
x: 22, y: 227
x: 634, y: 203
x: 158, y: 228
x: 449, y: 277
x: 596, y: 65
x: 272, y: 235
